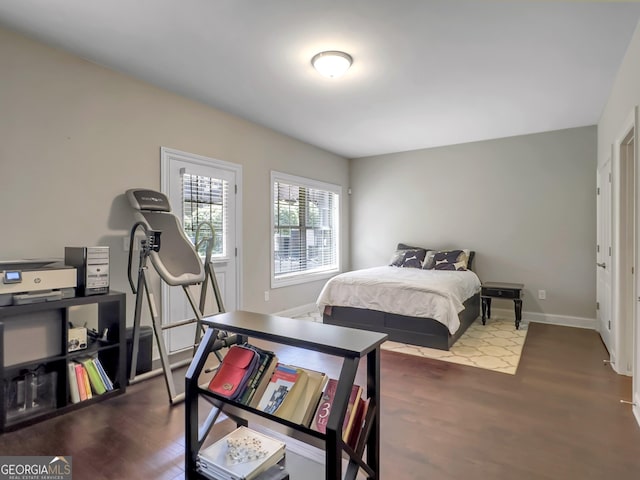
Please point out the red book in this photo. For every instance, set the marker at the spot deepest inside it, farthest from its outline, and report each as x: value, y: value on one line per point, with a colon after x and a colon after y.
x: 358, y: 423
x: 80, y: 379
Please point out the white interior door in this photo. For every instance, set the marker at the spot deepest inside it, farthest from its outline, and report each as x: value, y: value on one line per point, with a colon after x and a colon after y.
x: 202, y: 190
x: 603, y: 257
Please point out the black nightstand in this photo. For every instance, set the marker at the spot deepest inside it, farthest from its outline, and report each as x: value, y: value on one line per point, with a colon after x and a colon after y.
x: 509, y: 291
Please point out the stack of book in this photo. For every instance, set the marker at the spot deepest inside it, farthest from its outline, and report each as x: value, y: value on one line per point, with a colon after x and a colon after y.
x: 293, y: 393
x: 285, y: 391
x: 244, y: 454
x: 354, y: 417
x: 87, y: 377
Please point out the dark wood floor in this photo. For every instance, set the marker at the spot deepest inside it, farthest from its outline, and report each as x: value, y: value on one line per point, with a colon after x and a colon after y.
x: 559, y: 417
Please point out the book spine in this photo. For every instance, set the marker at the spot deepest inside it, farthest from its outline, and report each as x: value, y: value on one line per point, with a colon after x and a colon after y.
x: 265, y: 359
x: 103, y: 374
x: 94, y: 377
x: 352, y: 410
x: 264, y: 382
x: 73, y: 383
x: 80, y: 380
x: 324, y: 407
x: 85, y: 379
x: 356, y: 435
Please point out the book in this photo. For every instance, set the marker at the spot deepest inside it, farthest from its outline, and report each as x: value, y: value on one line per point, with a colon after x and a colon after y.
x: 82, y: 389
x: 306, y: 406
x: 103, y: 374
x: 226, y: 459
x: 266, y: 357
x: 73, y: 383
x: 359, y: 426
x: 263, y: 382
x: 97, y: 385
x: 352, y: 407
x: 85, y: 380
x: 283, y: 391
x: 321, y: 416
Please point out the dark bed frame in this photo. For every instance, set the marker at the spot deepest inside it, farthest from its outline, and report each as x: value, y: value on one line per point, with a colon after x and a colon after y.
x: 425, y: 332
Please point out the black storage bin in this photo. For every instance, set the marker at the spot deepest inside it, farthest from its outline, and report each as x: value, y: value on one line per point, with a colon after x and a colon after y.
x: 145, y: 348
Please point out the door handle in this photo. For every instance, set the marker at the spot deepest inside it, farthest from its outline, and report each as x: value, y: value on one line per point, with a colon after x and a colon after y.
x: 602, y: 265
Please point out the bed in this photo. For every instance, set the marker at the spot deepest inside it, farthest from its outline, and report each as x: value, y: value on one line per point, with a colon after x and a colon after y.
x: 410, y: 301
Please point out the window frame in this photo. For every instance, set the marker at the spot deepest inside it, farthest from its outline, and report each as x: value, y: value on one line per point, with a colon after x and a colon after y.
x: 295, y: 278
x: 226, y: 192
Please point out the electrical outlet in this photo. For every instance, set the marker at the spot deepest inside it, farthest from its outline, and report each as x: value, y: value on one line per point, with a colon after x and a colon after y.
x: 542, y: 294
x: 266, y: 295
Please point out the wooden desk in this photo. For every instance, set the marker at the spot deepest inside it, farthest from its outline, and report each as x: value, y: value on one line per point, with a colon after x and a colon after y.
x: 511, y: 291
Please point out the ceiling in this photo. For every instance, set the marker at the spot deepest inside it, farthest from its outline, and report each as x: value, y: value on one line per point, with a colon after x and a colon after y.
x: 426, y: 73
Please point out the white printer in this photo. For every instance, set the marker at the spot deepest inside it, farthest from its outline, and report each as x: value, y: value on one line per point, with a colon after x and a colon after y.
x: 35, y: 280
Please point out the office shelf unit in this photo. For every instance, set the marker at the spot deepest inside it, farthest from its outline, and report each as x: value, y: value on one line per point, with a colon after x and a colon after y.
x: 349, y: 344
x: 34, y: 377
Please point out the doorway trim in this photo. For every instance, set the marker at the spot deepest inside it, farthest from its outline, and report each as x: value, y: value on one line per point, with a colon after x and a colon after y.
x: 623, y: 259
x: 169, y: 154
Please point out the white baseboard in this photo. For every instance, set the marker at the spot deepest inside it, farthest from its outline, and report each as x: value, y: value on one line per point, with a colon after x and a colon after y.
x: 564, y: 320
x: 297, y: 311
x: 636, y: 408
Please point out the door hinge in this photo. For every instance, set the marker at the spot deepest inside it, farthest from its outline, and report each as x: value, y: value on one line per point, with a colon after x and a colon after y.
x: 598, y: 248
x: 236, y: 251
x: 236, y: 189
x: 598, y: 191
x: 609, y: 325
x: 597, y: 305
x: 609, y: 251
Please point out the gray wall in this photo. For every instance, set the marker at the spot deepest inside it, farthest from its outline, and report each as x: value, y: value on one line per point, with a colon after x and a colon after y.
x: 625, y: 95
x: 525, y: 204
x: 75, y: 136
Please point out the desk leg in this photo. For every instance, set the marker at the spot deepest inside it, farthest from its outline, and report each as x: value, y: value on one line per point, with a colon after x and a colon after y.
x: 518, y: 307
x: 486, y: 309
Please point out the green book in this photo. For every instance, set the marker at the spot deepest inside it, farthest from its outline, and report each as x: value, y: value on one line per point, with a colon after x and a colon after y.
x: 94, y: 377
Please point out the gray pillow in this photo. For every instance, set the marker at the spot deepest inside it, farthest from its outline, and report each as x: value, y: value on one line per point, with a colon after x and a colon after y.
x: 411, y: 258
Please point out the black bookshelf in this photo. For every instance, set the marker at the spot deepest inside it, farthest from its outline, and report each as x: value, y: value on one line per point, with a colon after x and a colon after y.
x: 34, y: 341
x: 349, y: 344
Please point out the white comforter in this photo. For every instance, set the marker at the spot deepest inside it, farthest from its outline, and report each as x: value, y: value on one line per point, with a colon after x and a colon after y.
x: 413, y: 292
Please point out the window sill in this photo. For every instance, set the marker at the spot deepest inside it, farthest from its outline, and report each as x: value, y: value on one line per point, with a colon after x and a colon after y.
x: 300, y: 278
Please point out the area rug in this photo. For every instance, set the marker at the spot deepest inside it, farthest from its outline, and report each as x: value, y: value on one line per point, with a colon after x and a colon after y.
x: 496, y: 346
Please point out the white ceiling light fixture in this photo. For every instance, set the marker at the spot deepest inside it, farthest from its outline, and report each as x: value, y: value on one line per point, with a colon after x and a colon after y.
x: 332, y: 64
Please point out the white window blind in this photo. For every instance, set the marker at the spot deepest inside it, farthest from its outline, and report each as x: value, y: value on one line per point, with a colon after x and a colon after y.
x: 204, y: 199
x: 305, y: 228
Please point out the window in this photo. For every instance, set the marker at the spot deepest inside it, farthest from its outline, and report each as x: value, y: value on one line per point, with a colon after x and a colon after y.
x: 305, y: 220
x: 204, y: 200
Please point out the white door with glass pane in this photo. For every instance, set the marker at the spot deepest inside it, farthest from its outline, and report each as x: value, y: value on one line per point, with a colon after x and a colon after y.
x: 202, y: 190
